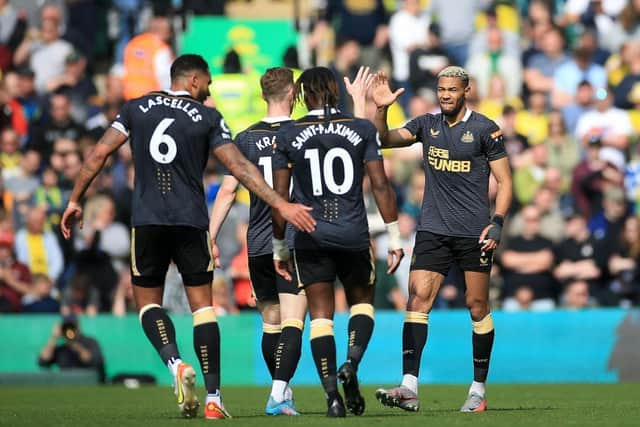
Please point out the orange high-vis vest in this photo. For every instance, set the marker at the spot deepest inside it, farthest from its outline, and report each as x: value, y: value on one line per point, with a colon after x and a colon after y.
x: 140, y: 71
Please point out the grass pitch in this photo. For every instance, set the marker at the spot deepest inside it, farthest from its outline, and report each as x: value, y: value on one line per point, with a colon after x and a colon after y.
x: 509, y: 405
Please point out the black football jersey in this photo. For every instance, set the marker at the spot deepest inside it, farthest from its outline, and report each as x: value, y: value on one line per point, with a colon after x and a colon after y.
x: 327, y: 158
x: 171, y: 136
x: 257, y: 143
x: 456, y: 163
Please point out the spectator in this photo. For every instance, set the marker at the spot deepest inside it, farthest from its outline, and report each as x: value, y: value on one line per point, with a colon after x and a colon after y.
x: 608, y: 223
x: 49, y: 196
x: 15, y: 278
x: 622, y: 90
x: 239, y: 273
x: 568, y: 76
x: 541, y: 67
x: 24, y: 183
x: 496, y: 61
x: 425, y: 62
x: 493, y: 104
x: 102, y: 231
x: 123, y: 301
x: 44, y: 50
x: 37, y: 248
x: 576, y: 255
x: 539, y: 21
x: 407, y: 32
x: 77, y: 85
x: 622, y: 265
x: 27, y: 97
x: 10, y: 155
x: 77, y: 352
x: 147, y: 60
x: 344, y: 65
x: 606, y: 122
x: 533, y: 122
x: 552, y: 224
x: 479, y: 42
x: 528, y: 179
x: 582, y: 103
x: 366, y: 23
x: 626, y: 27
x: 457, y: 24
x: 586, y: 179
x: 563, y: 152
x: 59, y: 125
x: 42, y: 296
x: 12, y: 114
x: 576, y: 295
x: 515, y: 144
x: 13, y: 25
x: 527, y: 261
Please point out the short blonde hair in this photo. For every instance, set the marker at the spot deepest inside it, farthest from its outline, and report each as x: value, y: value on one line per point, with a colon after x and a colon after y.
x: 457, y: 72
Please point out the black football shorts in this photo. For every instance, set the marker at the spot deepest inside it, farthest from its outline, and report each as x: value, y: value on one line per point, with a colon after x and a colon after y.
x: 353, y: 268
x: 436, y: 252
x: 153, y: 247
x: 266, y: 283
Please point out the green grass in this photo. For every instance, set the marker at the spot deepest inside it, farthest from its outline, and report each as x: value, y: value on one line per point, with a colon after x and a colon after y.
x: 509, y: 405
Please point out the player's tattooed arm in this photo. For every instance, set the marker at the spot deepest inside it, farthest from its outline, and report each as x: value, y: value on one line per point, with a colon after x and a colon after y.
x: 110, y: 142
x: 250, y: 177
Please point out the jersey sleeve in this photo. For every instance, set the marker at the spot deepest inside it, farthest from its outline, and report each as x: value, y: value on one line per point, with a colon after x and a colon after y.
x: 280, y: 159
x: 219, y: 133
x: 493, y: 142
x: 373, y: 149
x: 416, y: 126
x: 122, y: 121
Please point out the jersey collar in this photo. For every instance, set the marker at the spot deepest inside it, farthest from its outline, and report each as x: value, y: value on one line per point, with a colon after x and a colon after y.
x: 177, y: 92
x: 276, y: 119
x: 464, y: 118
x: 320, y: 112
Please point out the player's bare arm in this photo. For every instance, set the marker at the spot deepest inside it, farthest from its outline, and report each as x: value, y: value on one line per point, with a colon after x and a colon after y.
x: 382, y: 97
x: 358, y: 90
x: 502, y: 173
x: 281, y: 180
x: 110, y: 142
x: 298, y: 215
x: 386, y: 201
x: 221, y: 207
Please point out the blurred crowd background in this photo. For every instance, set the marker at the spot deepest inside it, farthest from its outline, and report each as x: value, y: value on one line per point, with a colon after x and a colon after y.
x: 561, y: 78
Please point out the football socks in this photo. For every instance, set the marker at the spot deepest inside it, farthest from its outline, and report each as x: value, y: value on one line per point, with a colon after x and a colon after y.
x: 323, y: 347
x: 206, y: 343
x: 360, y: 331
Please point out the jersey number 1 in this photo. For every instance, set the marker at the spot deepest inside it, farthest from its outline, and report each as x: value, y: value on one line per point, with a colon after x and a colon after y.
x: 327, y: 168
x: 158, y: 138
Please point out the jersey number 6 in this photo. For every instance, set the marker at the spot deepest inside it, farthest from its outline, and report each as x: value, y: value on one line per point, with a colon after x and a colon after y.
x: 158, y: 138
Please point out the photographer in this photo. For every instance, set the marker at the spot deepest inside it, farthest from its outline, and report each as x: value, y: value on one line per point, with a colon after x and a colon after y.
x: 75, y: 351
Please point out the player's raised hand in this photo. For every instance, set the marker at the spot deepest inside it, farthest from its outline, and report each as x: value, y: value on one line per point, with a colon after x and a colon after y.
x: 380, y: 91
x: 394, y: 256
x: 299, y: 216
x: 359, y: 87
x: 71, y: 214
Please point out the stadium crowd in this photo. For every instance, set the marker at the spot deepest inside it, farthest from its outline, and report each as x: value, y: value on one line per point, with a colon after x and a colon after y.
x: 561, y: 78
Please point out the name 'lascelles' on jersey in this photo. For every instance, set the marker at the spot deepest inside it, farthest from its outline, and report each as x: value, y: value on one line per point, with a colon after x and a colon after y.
x: 171, y: 136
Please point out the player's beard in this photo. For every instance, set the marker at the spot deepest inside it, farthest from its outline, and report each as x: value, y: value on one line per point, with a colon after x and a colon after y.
x: 457, y: 106
x: 203, y: 94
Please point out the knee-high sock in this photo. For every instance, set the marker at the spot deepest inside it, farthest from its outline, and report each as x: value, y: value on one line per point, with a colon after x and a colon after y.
x: 159, y: 329
x: 483, y: 334
x: 323, y: 347
x: 414, y: 338
x: 287, y: 357
x: 270, y: 338
x: 206, y: 343
x: 360, y: 331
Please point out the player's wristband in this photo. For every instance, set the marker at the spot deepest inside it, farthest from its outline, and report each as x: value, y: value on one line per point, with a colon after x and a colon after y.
x: 280, y: 250
x: 498, y: 219
x: 394, y: 235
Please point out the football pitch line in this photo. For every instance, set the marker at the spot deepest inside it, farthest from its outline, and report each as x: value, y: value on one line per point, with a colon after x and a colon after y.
x: 509, y: 405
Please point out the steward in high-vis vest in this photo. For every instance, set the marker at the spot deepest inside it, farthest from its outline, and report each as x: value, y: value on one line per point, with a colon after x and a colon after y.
x: 147, y: 60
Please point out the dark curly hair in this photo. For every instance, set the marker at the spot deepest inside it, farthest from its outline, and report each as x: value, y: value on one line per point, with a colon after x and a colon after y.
x: 317, y: 86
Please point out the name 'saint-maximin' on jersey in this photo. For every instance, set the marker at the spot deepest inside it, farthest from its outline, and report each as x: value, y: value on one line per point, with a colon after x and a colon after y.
x: 327, y: 159
x: 257, y: 143
x: 456, y: 163
x: 171, y: 136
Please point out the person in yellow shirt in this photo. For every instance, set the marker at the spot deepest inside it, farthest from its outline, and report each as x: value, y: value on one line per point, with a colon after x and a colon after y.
x: 634, y: 113
x: 534, y: 122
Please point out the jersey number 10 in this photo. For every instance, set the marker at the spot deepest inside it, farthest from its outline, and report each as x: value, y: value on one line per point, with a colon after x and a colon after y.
x: 313, y: 155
